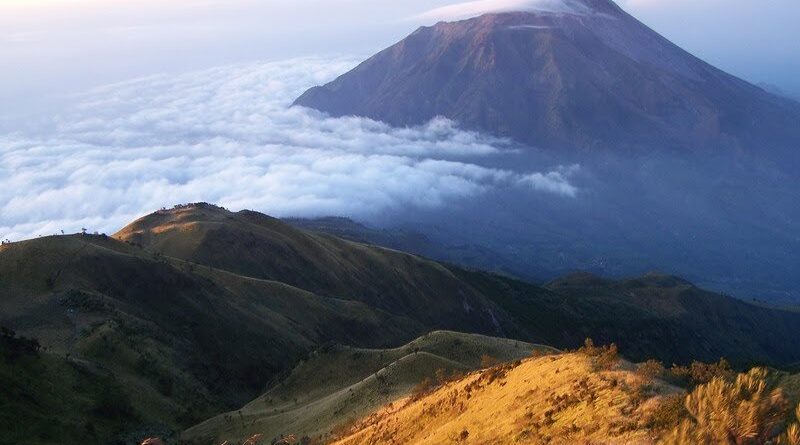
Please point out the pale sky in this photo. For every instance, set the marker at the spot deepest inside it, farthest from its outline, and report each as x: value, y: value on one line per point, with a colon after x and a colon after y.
x: 52, y: 47
x: 199, y: 108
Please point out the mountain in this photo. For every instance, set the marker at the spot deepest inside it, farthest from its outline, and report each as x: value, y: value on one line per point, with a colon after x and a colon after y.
x: 193, y: 311
x: 582, y: 76
x: 340, y: 383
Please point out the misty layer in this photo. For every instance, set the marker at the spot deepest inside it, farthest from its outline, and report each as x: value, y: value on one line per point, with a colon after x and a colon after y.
x: 227, y: 135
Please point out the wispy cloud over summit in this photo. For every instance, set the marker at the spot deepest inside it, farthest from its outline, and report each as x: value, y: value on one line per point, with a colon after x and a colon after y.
x: 478, y: 7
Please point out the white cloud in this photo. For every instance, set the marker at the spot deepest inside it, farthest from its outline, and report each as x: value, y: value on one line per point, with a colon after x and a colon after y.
x: 226, y: 135
x: 556, y: 181
x: 478, y: 7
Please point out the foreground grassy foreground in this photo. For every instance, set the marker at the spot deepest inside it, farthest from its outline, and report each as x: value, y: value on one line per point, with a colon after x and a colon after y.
x: 590, y: 397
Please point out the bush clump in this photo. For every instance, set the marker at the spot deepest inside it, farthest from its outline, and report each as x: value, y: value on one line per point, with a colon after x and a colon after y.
x: 650, y: 370
x: 699, y: 373
x: 604, y: 357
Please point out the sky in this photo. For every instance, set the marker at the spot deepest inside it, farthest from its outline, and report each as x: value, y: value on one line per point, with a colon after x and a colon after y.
x: 110, y: 109
x: 49, y: 48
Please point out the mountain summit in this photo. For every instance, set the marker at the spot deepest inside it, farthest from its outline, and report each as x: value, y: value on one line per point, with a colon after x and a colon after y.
x: 565, y: 75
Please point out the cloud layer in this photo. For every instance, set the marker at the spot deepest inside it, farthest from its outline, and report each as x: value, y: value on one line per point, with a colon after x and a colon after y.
x: 474, y: 8
x: 227, y: 135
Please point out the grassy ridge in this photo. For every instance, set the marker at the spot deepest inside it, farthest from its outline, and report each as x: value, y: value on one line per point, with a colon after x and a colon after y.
x: 339, y: 384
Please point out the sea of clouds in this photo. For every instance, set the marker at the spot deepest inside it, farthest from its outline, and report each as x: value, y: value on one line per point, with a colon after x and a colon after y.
x: 228, y: 135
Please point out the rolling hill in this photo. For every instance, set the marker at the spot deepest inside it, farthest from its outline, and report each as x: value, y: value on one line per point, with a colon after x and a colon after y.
x: 195, y: 310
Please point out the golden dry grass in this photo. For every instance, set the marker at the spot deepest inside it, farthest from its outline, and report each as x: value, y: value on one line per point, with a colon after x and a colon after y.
x: 559, y: 399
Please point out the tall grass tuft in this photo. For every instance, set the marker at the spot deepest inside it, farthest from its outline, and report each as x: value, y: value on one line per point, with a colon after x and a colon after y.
x: 746, y: 411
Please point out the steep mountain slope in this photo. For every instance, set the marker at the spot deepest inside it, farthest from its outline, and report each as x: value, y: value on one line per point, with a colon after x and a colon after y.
x: 340, y: 383
x: 48, y: 399
x: 584, y: 76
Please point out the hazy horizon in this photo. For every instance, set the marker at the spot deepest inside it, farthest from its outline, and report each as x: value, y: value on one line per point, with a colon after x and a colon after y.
x: 52, y: 48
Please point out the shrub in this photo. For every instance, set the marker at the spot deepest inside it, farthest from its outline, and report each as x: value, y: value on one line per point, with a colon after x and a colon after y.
x: 13, y: 347
x: 605, y: 357
x: 651, y: 369
x: 699, y: 373
x: 792, y: 435
x: 254, y: 440
x: 669, y: 412
x: 441, y: 376
x: 746, y: 411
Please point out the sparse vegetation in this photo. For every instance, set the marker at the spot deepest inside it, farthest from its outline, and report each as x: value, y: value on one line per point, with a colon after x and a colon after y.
x: 422, y: 389
x: 558, y: 398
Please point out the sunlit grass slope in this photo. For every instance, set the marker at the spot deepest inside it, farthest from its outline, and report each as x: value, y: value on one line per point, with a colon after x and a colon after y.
x: 590, y: 398
x: 552, y: 399
x: 340, y: 384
